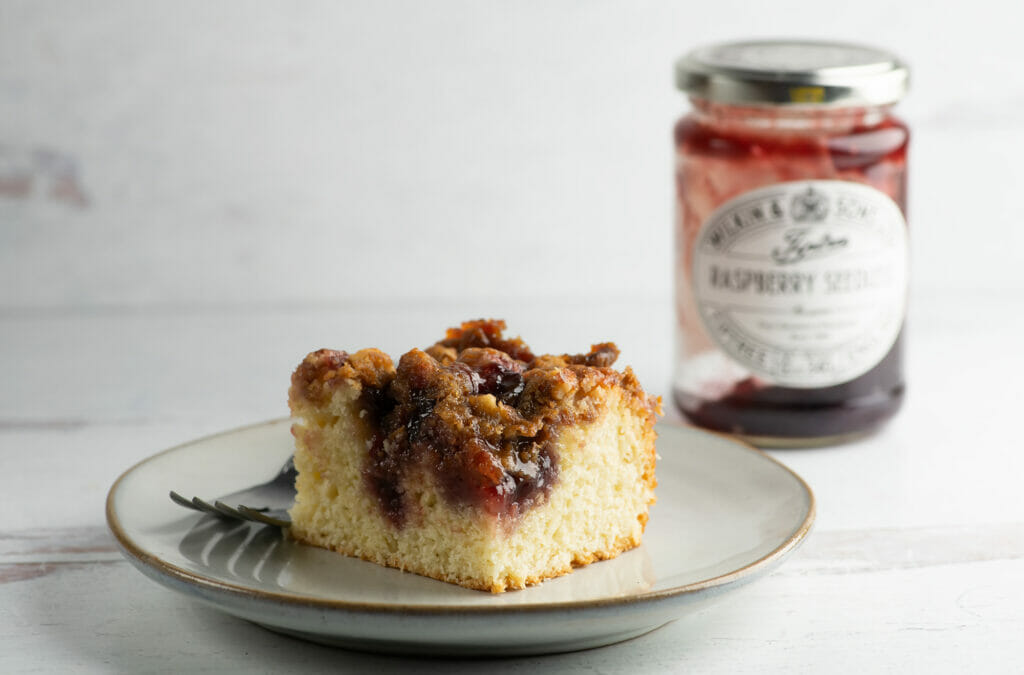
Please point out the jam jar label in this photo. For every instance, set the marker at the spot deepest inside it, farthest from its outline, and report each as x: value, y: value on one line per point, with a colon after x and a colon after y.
x: 803, y: 283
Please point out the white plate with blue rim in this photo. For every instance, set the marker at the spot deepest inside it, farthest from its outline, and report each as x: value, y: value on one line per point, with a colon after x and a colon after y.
x: 727, y: 514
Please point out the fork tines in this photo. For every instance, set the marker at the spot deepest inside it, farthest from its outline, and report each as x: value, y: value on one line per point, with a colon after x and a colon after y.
x: 241, y: 512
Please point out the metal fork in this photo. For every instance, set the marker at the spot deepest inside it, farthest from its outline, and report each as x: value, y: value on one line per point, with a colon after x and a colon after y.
x: 270, y: 501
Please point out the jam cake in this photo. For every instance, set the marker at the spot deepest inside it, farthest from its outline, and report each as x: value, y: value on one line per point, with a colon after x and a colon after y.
x: 475, y: 461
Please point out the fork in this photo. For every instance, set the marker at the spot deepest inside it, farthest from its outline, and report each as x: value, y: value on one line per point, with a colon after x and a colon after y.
x: 270, y: 501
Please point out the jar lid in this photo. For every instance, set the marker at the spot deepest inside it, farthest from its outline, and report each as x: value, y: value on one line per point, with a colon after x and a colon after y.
x: 793, y: 73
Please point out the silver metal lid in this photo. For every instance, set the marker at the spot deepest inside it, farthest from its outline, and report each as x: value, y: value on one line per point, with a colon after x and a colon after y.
x: 793, y: 73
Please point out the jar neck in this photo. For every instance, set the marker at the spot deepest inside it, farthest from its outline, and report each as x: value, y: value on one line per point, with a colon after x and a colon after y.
x: 788, y: 119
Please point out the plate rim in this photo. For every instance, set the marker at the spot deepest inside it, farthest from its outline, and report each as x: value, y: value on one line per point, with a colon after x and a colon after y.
x: 137, y: 555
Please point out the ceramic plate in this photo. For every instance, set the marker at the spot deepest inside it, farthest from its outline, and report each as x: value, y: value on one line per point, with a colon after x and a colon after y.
x: 726, y: 514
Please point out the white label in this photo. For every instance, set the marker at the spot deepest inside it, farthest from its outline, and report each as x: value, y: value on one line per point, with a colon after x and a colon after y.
x: 804, y: 283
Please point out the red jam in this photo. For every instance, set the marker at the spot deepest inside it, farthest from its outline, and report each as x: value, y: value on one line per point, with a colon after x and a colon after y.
x: 776, y: 177
x: 482, y: 413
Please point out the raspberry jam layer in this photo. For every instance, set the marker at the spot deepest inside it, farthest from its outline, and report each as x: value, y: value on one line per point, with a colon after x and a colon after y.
x: 426, y: 418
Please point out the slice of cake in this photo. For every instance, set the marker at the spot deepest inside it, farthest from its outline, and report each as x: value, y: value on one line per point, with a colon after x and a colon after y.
x: 473, y: 462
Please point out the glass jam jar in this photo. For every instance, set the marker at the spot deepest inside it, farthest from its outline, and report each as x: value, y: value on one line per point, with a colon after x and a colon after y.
x: 791, y: 240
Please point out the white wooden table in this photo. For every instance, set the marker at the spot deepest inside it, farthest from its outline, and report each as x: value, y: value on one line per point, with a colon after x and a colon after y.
x: 916, y: 563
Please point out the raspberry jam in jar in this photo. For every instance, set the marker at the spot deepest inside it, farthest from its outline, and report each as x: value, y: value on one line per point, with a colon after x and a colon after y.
x: 791, y: 240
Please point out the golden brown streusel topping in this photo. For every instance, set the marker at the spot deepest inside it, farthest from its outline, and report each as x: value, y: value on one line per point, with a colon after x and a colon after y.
x: 323, y: 370
x: 477, y: 408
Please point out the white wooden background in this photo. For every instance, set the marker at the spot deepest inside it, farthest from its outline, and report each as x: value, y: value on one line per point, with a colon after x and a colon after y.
x: 194, y: 194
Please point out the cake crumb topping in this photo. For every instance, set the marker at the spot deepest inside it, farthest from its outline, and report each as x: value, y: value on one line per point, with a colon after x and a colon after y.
x: 476, y: 409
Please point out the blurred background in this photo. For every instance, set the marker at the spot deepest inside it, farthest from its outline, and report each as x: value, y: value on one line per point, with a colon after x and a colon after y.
x: 197, y: 187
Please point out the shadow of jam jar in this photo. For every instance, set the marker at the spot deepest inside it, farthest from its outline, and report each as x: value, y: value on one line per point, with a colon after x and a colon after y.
x: 791, y: 240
